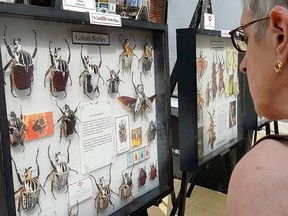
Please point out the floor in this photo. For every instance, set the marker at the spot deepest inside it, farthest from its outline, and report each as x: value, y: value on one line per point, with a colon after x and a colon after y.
x: 204, y: 201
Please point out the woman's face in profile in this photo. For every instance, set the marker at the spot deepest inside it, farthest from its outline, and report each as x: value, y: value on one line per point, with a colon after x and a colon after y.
x: 258, y: 65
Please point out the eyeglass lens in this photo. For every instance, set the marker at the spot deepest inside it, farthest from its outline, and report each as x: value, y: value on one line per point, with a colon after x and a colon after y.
x: 240, y: 41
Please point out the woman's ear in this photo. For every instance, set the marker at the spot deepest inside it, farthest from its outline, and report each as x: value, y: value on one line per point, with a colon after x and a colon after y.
x: 279, y: 31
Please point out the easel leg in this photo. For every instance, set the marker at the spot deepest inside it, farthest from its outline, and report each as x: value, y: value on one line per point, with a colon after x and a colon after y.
x: 182, y: 194
x: 192, y: 184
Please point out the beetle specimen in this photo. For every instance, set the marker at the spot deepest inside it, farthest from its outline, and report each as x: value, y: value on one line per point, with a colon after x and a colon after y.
x: 200, y: 104
x: 59, y: 71
x: 122, y: 131
x: 126, y: 186
x: 39, y: 125
x: 30, y: 189
x: 113, y: 82
x: 139, y: 104
x: 214, y: 78
x: 208, y: 93
x: 147, y: 57
x: 127, y: 55
x: 68, y: 121
x: 221, y: 67
x: 151, y: 133
x: 21, y: 74
x: 211, y: 131
x: 142, y: 177
x: 17, y: 129
x: 201, y: 64
x: 91, y: 75
x: 70, y: 213
x: 60, y: 171
x: 153, y: 171
x: 103, y: 198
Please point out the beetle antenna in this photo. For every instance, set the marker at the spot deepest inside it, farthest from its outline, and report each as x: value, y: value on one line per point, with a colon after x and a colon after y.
x: 38, y: 168
x: 68, y: 151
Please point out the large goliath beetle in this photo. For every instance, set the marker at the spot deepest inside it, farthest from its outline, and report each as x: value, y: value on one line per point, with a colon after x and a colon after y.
x: 126, y: 186
x: 151, y: 133
x: 127, y: 55
x: 103, y: 198
x: 91, y: 75
x: 147, y: 57
x: 30, y: 189
x: 68, y: 121
x: 60, y: 171
x: 21, y: 74
x: 59, y: 71
x: 17, y: 129
x: 113, y: 82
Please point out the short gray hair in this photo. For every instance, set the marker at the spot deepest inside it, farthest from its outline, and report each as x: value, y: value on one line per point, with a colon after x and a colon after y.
x: 260, y: 9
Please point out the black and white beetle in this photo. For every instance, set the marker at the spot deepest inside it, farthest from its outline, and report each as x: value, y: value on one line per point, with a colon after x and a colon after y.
x: 17, y: 129
x: 68, y: 121
x: 91, y: 75
x: 21, y: 74
x: 70, y: 213
x: 127, y: 55
x: 60, y: 171
x: 30, y: 189
x: 139, y: 104
x: 113, y: 82
x: 151, y: 133
x: 103, y: 198
x: 59, y: 71
x: 147, y: 57
x: 126, y: 186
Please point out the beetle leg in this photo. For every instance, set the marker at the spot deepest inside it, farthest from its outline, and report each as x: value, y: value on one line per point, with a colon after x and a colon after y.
x: 29, y: 91
x: 12, y: 84
x: 52, y: 187
x: 48, y: 177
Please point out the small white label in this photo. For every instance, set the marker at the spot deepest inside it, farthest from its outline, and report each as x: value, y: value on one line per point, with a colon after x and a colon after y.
x: 90, y: 38
x: 79, y: 191
x: 209, y: 21
x: 105, y: 19
x: 79, y: 5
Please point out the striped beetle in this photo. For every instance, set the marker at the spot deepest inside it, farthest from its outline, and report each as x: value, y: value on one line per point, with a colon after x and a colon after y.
x: 60, y: 171
x: 30, y: 190
x: 59, y: 70
x: 21, y: 75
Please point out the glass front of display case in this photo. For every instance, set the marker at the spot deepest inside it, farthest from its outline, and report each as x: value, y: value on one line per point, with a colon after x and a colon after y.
x: 87, y: 110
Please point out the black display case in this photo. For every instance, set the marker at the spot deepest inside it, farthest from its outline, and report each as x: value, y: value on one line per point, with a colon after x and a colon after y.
x: 52, y: 25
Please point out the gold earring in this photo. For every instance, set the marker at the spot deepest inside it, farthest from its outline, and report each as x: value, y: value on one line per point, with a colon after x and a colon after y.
x: 278, y: 66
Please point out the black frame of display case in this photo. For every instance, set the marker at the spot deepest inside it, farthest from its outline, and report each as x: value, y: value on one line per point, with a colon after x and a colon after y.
x: 160, y: 32
x: 183, y: 74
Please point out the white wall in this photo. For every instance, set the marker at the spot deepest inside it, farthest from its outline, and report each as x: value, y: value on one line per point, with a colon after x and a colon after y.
x: 227, y: 16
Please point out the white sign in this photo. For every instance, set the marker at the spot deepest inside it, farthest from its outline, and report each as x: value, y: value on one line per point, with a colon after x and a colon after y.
x: 105, y: 19
x: 209, y: 21
x: 79, y: 191
x: 90, y: 38
x: 79, y: 5
x: 96, y: 135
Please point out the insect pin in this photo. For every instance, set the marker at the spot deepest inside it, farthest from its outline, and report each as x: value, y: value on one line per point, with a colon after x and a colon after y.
x: 139, y: 104
x: 17, y: 129
x: 58, y: 71
x: 103, y: 198
x: 60, y: 171
x: 147, y: 57
x: 21, y: 63
x: 90, y: 76
x: 127, y: 55
x: 30, y: 188
x: 68, y: 121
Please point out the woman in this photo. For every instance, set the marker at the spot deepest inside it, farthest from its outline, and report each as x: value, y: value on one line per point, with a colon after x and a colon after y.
x: 259, y: 182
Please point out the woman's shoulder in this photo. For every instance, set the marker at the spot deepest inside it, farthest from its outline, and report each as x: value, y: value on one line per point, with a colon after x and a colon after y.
x: 259, y: 182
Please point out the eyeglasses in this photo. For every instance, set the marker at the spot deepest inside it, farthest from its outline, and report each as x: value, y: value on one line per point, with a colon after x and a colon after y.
x: 239, y: 38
